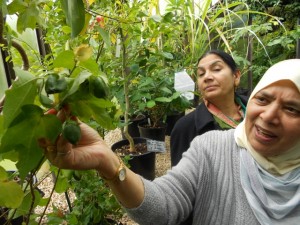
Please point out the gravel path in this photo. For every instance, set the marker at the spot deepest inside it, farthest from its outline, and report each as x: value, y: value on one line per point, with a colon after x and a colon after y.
x: 59, y: 200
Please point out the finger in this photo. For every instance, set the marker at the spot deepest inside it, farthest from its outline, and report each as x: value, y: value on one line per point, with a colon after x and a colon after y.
x: 44, y: 142
x: 64, y: 113
x: 52, y: 111
x: 64, y: 147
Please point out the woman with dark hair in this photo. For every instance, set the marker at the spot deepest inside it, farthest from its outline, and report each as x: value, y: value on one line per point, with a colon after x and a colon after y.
x: 222, y: 108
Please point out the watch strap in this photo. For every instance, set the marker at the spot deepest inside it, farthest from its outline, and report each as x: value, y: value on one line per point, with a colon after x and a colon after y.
x: 116, y: 176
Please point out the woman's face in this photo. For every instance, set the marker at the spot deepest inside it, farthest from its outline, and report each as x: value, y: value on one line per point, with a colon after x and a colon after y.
x: 215, y: 78
x: 273, y: 118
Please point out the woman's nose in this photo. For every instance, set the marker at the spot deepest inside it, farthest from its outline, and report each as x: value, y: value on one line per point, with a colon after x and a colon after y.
x: 208, y: 75
x: 271, y: 114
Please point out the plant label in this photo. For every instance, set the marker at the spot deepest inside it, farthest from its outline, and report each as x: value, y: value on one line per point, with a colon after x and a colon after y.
x: 156, y: 146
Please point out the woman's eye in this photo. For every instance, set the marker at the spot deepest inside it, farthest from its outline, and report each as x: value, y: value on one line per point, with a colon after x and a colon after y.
x: 200, y: 73
x: 260, y: 99
x: 293, y: 110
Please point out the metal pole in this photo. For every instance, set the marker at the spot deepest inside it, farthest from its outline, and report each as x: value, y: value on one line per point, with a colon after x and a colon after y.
x: 298, y: 43
x: 249, y: 58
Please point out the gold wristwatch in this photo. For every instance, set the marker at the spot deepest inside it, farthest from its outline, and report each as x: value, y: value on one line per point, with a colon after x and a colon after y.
x: 120, y: 173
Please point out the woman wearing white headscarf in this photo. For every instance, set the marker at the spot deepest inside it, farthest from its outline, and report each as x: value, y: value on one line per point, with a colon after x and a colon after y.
x: 246, y: 176
x: 271, y: 181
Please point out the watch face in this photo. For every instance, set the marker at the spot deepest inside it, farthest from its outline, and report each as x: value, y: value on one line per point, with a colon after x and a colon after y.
x: 122, y: 174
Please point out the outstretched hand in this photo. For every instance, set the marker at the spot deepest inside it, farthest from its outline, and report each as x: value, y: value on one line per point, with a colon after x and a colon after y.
x: 91, y: 152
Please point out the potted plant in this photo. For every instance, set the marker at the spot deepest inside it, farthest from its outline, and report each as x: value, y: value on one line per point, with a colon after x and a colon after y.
x: 94, y: 203
x: 70, y: 76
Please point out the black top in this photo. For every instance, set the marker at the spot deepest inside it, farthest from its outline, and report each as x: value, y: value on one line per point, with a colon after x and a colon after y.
x: 188, y: 127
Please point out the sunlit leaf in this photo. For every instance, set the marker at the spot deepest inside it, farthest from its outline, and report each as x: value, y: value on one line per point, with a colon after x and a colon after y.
x: 28, y: 202
x: 11, y: 194
x: 151, y: 104
x: 23, y: 92
x: 65, y: 59
x: 3, y: 174
x: 63, y: 178
x: 90, y: 65
x: 16, y: 6
x: 28, y: 18
x: 1, y: 127
x: 23, y: 134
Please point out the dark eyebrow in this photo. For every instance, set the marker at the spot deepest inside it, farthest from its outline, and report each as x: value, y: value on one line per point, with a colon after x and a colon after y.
x: 264, y: 94
x: 212, y: 64
x: 287, y: 102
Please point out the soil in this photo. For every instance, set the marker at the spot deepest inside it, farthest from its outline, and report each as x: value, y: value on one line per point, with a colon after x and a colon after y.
x: 140, y: 149
x: 60, y: 200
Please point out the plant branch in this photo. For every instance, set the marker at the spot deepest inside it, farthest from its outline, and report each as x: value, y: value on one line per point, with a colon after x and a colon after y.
x: 126, y: 92
x: 16, y: 45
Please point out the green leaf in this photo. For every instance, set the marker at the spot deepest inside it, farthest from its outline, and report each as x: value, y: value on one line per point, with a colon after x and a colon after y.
x: 28, y: 18
x: 28, y: 202
x: 167, y: 55
x: 134, y: 68
x: 94, y: 108
x: 23, y: 134
x: 166, y: 90
x: 104, y: 35
x: 23, y: 92
x: 84, y: 75
x: 65, y: 59
x: 11, y: 194
x: 156, y: 18
x: 151, y: 104
x: 1, y: 127
x: 16, y: 6
x: 47, y: 102
x: 90, y: 65
x: 3, y: 174
x: 63, y: 178
x: 75, y: 15
x: 163, y: 99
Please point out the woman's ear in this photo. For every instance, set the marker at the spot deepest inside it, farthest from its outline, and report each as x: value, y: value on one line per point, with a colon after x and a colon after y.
x: 237, y: 78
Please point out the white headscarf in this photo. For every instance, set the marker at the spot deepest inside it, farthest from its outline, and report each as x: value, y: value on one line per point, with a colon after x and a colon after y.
x: 289, y: 160
x: 272, y: 184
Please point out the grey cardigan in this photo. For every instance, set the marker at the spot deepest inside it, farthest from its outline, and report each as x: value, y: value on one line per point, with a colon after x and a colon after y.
x: 207, y: 179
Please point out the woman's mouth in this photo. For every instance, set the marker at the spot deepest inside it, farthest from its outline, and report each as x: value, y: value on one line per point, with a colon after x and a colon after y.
x: 264, y: 135
x: 210, y: 88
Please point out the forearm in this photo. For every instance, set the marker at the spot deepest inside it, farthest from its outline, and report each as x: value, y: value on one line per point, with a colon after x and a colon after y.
x: 129, y: 192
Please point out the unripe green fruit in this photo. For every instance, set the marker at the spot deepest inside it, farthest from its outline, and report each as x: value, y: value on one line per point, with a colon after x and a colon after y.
x: 54, y: 84
x: 71, y: 131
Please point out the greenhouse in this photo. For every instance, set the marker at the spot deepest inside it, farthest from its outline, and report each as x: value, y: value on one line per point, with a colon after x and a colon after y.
x: 103, y: 103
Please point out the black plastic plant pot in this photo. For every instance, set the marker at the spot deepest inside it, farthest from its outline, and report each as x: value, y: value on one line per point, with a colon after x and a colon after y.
x: 133, y: 129
x: 153, y: 133
x: 143, y: 164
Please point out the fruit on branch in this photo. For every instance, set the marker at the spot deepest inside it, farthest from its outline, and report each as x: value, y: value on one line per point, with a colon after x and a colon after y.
x: 55, y: 84
x: 71, y: 131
